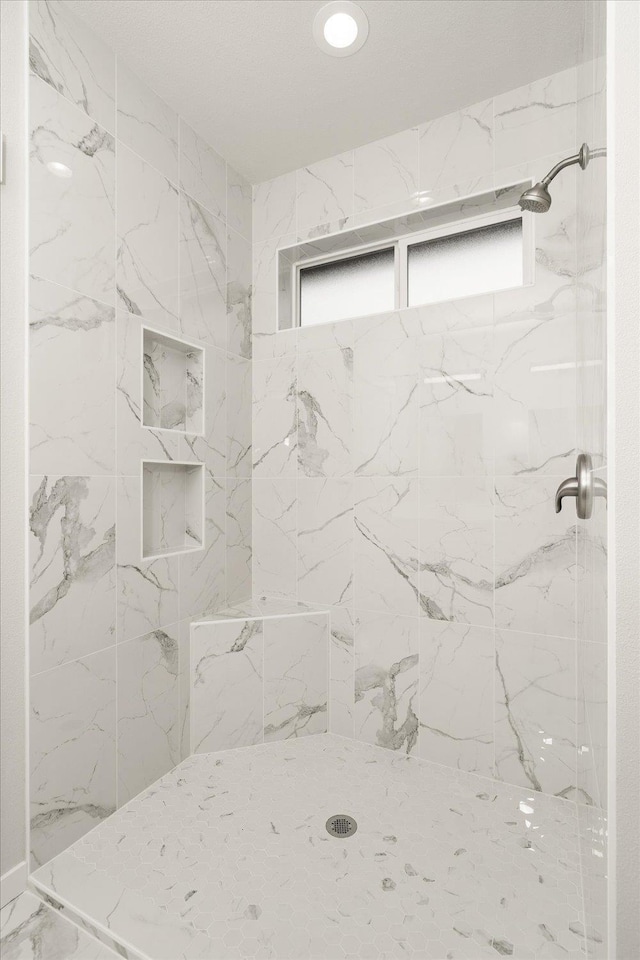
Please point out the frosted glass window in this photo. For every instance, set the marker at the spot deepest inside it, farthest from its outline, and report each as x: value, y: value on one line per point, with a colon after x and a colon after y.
x: 463, y: 264
x: 354, y: 287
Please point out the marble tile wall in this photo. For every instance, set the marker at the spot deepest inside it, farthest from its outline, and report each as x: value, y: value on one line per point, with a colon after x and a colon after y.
x: 405, y: 464
x: 134, y: 220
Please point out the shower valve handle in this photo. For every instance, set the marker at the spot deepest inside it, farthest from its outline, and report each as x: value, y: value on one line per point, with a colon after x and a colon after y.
x: 584, y: 487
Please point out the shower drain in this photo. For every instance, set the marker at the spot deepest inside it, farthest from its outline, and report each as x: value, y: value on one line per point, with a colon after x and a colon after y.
x: 339, y: 825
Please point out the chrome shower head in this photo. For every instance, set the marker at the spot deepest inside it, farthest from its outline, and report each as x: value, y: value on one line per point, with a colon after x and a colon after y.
x: 536, y: 199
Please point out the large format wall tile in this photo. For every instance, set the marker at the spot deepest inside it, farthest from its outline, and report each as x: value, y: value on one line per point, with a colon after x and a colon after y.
x: 274, y: 537
x: 73, y: 752
x: 386, y: 171
x: 341, y: 671
x: 148, y: 710
x: 239, y: 293
x: 325, y: 191
x: 210, y: 446
x: 71, y: 196
x: 274, y: 418
x: 386, y: 553
x: 202, y: 573
x: 239, y: 540
x: 226, y: 685
x: 386, y: 680
x: 456, y: 696
x: 203, y: 265
x: 593, y: 723
x: 325, y: 418
x: 73, y: 60
x: 456, y: 403
x: 72, y: 557
x: 535, y: 721
x: 536, y: 120
x: 239, y: 434
x: 148, y: 590
x: 239, y: 197
x: 456, y: 550
x: 592, y: 585
x: 535, y: 558
x: 325, y: 541
x: 203, y: 172
x: 385, y: 407
x: 71, y: 382
x: 146, y: 124
x: 457, y: 148
x: 274, y: 207
x: 147, y: 217
x: 296, y: 657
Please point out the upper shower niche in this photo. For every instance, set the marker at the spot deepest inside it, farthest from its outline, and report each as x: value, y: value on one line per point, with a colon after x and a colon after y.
x: 172, y: 383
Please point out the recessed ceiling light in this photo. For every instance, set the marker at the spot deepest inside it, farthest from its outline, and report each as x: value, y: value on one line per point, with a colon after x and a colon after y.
x: 59, y: 169
x: 340, y: 28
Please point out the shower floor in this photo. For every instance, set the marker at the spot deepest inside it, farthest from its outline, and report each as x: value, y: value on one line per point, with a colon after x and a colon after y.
x: 228, y: 856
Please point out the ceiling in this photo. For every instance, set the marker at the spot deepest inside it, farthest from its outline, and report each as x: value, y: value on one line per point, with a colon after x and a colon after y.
x: 248, y: 76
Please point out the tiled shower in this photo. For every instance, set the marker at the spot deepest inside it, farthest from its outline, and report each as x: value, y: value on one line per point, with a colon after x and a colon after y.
x: 244, y: 533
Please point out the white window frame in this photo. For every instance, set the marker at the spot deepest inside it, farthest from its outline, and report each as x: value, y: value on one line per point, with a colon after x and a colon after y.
x: 400, y: 246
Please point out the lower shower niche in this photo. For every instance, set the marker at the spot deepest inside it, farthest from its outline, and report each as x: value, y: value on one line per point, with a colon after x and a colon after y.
x: 172, y: 508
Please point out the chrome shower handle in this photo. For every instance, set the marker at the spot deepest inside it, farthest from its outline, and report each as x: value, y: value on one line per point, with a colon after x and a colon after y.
x: 584, y: 487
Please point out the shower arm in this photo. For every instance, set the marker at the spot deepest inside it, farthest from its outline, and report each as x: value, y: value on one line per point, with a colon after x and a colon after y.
x: 584, y: 156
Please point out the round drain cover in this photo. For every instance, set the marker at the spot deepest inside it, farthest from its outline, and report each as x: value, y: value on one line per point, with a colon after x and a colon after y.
x: 340, y: 825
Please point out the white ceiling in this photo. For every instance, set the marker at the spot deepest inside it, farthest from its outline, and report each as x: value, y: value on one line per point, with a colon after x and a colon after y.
x: 249, y: 77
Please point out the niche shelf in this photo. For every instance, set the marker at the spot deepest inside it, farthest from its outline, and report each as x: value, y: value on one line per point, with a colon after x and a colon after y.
x: 172, y: 383
x: 172, y: 508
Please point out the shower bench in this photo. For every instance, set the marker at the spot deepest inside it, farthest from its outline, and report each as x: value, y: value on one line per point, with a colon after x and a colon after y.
x: 258, y: 673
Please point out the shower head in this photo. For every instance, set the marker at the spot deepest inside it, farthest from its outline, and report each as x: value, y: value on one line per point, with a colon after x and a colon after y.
x: 537, y: 199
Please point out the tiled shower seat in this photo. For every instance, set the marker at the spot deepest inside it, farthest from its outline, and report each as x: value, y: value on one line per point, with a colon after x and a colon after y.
x: 259, y: 672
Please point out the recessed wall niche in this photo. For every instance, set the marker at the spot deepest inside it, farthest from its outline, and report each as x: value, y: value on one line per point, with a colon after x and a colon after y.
x: 172, y: 383
x: 172, y: 508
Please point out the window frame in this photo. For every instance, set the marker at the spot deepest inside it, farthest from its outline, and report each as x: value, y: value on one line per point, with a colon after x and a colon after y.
x: 400, y: 246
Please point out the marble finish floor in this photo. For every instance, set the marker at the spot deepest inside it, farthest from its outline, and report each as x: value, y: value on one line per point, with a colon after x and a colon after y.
x: 227, y: 856
x: 30, y: 930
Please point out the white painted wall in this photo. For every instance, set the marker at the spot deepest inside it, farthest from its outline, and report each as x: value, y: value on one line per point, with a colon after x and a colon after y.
x: 624, y: 516
x: 13, y: 212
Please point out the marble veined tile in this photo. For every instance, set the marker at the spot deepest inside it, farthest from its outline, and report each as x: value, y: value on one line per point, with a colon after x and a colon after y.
x: 203, y: 172
x: 341, y: 671
x: 239, y: 294
x: 458, y: 147
x: 535, y: 720
x: 386, y: 680
x: 72, y: 59
x: 72, y: 367
x: 148, y: 710
x: 148, y: 590
x: 325, y: 541
x: 593, y: 723
x: 31, y: 930
x: 274, y: 537
x: 238, y: 389
x: 325, y: 191
x: 535, y: 397
x: 148, y: 241
x: 325, y: 413
x: 203, y: 266
x: 456, y: 550
x: 296, y: 660
x: 239, y: 541
x: 456, y: 696
x: 501, y: 873
x: 226, y: 685
x: 274, y: 208
x: 210, y: 445
x: 239, y: 202
x: 71, y: 196
x: 535, y: 558
x: 386, y: 171
x: 72, y: 559
x: 275, y: 418
x: 72, y: 751
x: 536, y: 120
x: 385, y: 407
x: 456, y: 404
x: 202, y: 573
x: 146, y: 124
x: 386, y: 551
